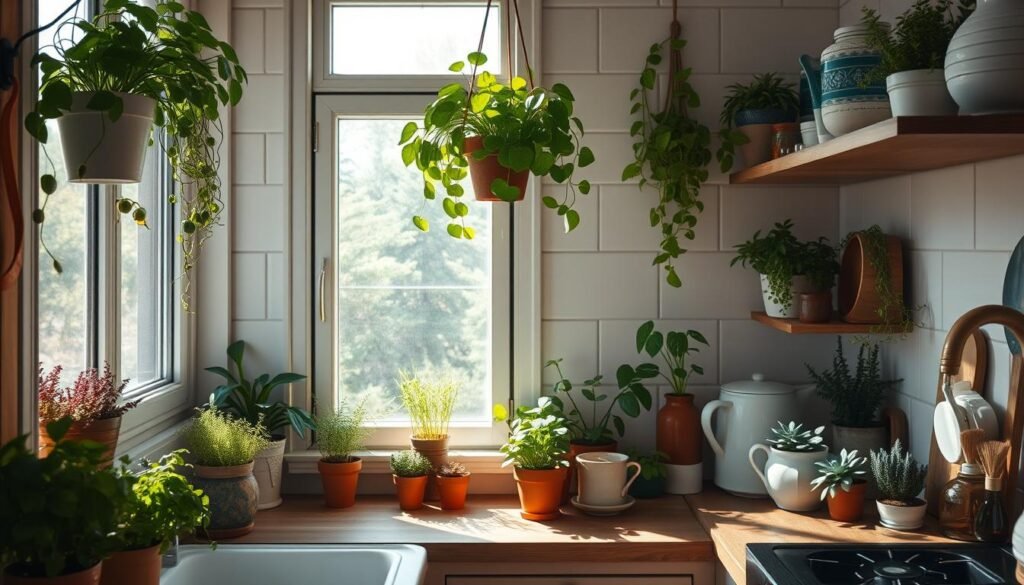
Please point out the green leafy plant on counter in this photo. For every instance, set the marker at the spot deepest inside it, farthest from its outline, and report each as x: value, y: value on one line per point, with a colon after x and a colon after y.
x: 856, y: 396
x: 792, y: 437
x: 919, y: 39
x: 839, y: 473
x: 430, y: 404
x: 765, y: 92
x: 652, y: 466
x: 674, y: 348
x: 216, y: 439
x: 341, y: 433
x: 409, y: 464
x: 538, y: 436
x: 899, y: 476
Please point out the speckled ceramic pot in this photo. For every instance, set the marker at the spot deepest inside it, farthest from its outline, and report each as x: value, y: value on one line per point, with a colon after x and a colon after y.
x: 846, y: 104
x: 233, y: 494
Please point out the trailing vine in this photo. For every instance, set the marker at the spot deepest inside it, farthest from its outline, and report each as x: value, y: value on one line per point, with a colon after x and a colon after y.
x: 876, y: 250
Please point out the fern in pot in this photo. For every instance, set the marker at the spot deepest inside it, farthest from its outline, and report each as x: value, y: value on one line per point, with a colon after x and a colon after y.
x: 792, y: 454
x: 753, y: 108
x: 900, y: 481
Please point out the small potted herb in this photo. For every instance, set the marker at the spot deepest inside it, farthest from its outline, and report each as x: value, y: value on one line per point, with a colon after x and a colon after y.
x: 820, y: 267
x: 163, y: 506
x: 502, y: 134
x: 790, y: 466
x: 93, y: 403
x: 453, y: 485
x: 409, y: 471
x: 753, y: 108
x: 430, y: 403
x: 842, y: 483
x: 250, y: 400
x: 536, y: 449
x: 56, y: 510
x: 340, y: 434
x: 223, y: 449
x: 900, y: 481
x: 653, y: 475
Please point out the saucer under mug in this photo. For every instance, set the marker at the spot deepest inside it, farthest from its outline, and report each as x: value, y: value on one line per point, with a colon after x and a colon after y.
x: 593, y: 510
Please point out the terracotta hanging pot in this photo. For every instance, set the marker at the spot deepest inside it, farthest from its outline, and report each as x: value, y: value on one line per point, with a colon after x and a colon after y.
x: 132, y: 567
x: 540, y: 492
x: 340, y: 481
x: 848, y: 506
x: 410, y: 491
x: 90, y: 576
x: 679, y: 438
x: 102, y: 430
x: 577, y: 448
x: 453, y: 491
x: 859, y: 301
x: 485, y: 170
x: 233, y: 494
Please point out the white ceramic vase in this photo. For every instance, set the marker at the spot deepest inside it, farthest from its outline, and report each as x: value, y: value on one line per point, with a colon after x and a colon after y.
x: 108, y: 152
x: 267, y: 467
x: 920, y: 92
x: 847, y: 104
x: 985, y: 59
x: 787, y: 476
x: 799, y: 284
x: 902, y: 517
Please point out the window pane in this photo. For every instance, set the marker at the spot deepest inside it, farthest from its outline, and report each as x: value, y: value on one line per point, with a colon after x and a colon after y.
x: 406, y: 300
x: 410, y: 39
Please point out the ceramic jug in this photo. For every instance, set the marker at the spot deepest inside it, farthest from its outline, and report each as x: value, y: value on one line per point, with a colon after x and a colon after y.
x: 787, y: 476
x: 985, y: 59
x: 747, y: 411
x: 847, y: 104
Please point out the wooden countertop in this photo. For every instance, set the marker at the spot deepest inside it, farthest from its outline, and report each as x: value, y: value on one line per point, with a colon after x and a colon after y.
x: 491, y: 530
x: 735, y: 522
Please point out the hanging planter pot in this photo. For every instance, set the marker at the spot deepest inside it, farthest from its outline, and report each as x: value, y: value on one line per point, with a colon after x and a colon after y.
x: 483, y: 172
x: 872, y: 264
x: 98, y: 150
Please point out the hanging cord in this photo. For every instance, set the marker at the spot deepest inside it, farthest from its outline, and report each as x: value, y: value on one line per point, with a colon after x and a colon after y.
x: 10, y: 189
x: 479, y: 49
x: 522, y: 41
x: 675, y: 61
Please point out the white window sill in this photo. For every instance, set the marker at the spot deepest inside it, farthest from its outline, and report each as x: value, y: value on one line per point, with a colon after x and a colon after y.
x: 478, y: 461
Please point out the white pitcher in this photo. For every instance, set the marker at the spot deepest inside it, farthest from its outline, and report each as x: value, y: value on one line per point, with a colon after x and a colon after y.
x: 787, y: 476
x: 603, y: 478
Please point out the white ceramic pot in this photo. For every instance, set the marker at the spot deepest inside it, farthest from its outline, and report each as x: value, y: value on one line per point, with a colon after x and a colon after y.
x: 846, y: 104
x: 799, y: 284
x: 747, y: 410
x: 920, y: 92
x: 111, y: 152
x: 787, y: 476
x: 902, y: 517
x: 809, y: 133
x: 985, y: 59
x: 267, y: 467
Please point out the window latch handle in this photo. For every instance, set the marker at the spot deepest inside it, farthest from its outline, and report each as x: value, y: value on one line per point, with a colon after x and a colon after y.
x: 323, y: 291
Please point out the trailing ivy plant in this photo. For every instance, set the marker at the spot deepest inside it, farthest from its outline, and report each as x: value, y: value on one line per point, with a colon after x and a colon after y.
x: 527, y: 129
x: 168, y: 54
x: 671, y: 153
x: 919, y: 39
x: 895, y: 317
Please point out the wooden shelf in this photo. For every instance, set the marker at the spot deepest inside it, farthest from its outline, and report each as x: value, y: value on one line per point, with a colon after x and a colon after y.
x: 835, y: 326
x: 894, y: 147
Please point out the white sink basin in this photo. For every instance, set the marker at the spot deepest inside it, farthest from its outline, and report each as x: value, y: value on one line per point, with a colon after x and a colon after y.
x: 276, y: 564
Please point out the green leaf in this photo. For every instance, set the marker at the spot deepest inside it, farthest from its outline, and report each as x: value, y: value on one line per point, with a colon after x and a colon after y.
x: 101, y: 101
x: 697, y: 336
x: 480, y: 101
x: 429, y: 191
x: 502, y: 190
x: 629, y: 404
x: 408, y: 132
x: 468, y: 233
x: 654, y: 343
x: 647, y: 78
x: 457, y: 66
x: 449, y: 207
x: 409, y: 153
x: 461, y: 209
x: 631, y: 170
x: 672, y: 278
x: 48, y: 183
x: 584, y: 187
x: 476, y: 58
x: 624, y: 375
x: 518, y: 158
x: 542, y: 163
x: 235, y: 92
x: 421, y: 223
x: 572, y: 219
x: 549, y: 202
x: 35, y: 124
x: 642, y: 334
x: 517, y: 83
x: 586, y: 156
x: 562, y: 91
x: 454, y: 230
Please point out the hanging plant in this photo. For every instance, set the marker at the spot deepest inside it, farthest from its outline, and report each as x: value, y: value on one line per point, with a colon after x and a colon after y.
x: 672, y: 152
x: 126, y: 57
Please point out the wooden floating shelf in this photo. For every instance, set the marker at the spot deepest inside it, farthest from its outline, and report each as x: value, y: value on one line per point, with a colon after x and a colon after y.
x: 834, y: 327
x: 894, y: 147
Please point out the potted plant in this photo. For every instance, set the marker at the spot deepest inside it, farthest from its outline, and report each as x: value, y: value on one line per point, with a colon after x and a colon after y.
x: 912, y: 56
x: 163, y: 505
x: 900, y: 481
x: 430, y: 404
x: 672, y: 152
x: 56, y: 510
x: 752, y: 108
x: 871, y: 281
x: 340, y: 434
x: 536, y: 448
x: 223, y: 449
x: 409, y: 471
x: 679, y: 429
x: 502, y: 134
x: 843, y: 485
x: 92, y: 403
x: 790, y: 466
x: 251, y: 400
x: 820, y: 267
x: 129, y: 67
x: 653, y: 475
x: 453, y: 485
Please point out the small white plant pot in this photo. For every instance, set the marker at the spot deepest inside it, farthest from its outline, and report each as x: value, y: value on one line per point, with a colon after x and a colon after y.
x: 920, y: 92
x: 111, y: 152
x: 267, y: 468
x: 809, y: 133
x: 798, y: 285
x: 902, y: 517
x: 787, y: 476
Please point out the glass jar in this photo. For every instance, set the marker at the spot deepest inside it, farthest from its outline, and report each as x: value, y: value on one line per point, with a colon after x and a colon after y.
x: 785, y: 138
x: 959, y: 502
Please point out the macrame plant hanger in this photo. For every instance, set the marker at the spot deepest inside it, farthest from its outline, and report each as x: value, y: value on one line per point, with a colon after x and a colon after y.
x: 675, y: 58
x: 508, y: 48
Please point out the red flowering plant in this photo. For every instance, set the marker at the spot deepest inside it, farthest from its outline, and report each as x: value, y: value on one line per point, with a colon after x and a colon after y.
x: 91, y: 397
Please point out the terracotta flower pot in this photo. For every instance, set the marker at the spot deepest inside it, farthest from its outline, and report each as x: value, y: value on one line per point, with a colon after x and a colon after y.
x: 340, y: 481
x: 90, y: 576
x: 132, y: 567
x: 410, y: 491
x: 859, y: 301
x: 436, y: 451
x: 815, y: 307
x: 484, y: 171
x: 233, y: 494
x: 103, y: 430
x: 453, y: 490
x: 540, y: 492
x: 679, y: 437
x: 848, y: 506
x: 577, y: 448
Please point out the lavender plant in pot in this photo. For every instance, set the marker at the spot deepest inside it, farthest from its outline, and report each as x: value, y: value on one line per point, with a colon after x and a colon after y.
x: 790, y: 466
x: 900, y: 481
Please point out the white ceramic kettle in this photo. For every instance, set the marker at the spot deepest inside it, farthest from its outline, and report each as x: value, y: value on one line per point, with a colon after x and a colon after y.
x: 747, y: 411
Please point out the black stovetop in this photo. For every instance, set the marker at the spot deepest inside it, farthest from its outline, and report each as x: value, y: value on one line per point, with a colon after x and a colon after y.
x: 881, y: 564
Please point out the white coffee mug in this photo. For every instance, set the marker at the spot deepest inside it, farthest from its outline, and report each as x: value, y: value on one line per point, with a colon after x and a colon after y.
x: 603, y: 478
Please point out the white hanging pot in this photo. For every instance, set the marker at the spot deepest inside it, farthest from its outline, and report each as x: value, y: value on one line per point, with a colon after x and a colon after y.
x: 920, y: 92
x: 985, y: 59
x: 97, y: 150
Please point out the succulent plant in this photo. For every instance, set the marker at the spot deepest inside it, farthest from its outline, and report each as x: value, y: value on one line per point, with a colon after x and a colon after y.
x: 793, y: 437
x: 409, y: 463
x: 899, y: 476
x: 839, y: 473
x: 452, y: 469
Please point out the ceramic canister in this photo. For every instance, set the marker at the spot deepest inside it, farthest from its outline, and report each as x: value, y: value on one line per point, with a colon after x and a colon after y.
x: 847, y: 105
x: 603, y: 478
x: 985, y: 59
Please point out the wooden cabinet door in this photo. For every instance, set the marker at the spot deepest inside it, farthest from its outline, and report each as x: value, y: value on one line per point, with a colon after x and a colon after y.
x: 569, y: 580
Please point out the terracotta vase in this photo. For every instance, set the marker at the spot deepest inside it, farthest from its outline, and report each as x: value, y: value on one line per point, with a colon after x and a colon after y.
x: 859, y: 301
x: 815, y: 307
x: 132, y: 567
x: 103, y: 430
x: 90, y: 576
x: 234, y: 495
x: 848, y: 506
x: 679, y: 437
x: 410, y: 491
x: 577, y: 448
x: 340, y: 481
x: 453, y: 490
x: 540, y: 492
x: 436, y: 451
x: 484, y: 171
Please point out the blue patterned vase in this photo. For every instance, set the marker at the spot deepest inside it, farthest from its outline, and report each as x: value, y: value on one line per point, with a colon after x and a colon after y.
x: 233, y: 494
x: 847, y: 104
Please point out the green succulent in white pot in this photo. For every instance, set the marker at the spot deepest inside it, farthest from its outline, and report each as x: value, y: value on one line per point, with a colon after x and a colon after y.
x: 792, y: 454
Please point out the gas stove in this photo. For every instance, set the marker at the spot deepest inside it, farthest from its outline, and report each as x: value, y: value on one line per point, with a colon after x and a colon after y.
x: 881, y: 564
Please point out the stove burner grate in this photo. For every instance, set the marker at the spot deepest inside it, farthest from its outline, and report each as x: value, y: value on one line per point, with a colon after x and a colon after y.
x: 897, y: 567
